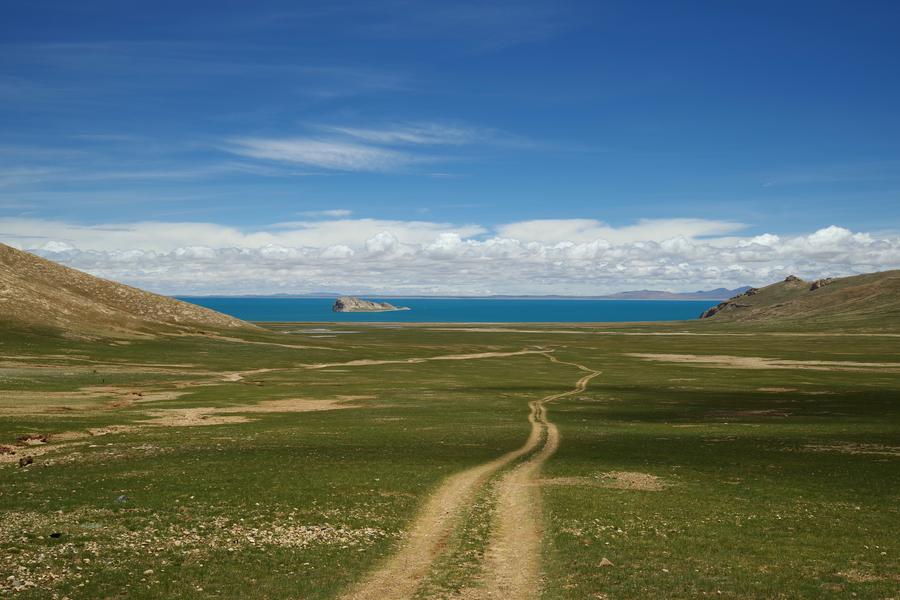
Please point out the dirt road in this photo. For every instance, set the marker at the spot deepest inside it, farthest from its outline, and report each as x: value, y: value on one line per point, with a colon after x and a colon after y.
x: 512, y: 568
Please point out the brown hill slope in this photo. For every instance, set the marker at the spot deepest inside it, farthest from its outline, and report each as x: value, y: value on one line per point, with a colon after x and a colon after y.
x: 870, y: 300
x: 39, y: 292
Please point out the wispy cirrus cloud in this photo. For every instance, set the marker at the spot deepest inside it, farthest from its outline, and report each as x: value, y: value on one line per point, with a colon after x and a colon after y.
x: 330, y: 154
x: 430, y: 134
x: 375, y: 149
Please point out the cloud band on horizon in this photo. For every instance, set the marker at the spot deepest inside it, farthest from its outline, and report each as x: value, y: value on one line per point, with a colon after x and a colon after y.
x: 420, y: 257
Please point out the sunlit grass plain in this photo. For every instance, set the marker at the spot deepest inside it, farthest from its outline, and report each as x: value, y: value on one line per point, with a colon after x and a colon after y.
x: 766, y: 482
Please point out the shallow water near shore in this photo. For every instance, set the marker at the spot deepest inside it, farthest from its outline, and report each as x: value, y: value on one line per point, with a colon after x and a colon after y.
x: 459, y: 310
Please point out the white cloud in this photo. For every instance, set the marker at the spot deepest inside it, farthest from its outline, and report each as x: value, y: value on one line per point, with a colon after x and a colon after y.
x: 335, y: 155
x: 371, y: 255
x: 165, y: 236
x: 379, y: 149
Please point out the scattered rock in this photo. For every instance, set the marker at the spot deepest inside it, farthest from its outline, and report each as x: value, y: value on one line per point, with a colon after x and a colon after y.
x: 25, y: 461
x: 605, y: 562
x: 56, y: 535
x: 820, y: 283
x: 148, y: 572
x: 792, y: 279
x: 122, y: 499
x: 7, y: 450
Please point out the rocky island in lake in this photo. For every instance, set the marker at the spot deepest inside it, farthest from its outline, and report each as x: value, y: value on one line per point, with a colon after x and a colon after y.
x: 354, y: 304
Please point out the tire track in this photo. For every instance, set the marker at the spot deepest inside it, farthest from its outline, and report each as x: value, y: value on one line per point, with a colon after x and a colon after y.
x: 404, y: 572
x: 512, y: 560
x: 514, y: 553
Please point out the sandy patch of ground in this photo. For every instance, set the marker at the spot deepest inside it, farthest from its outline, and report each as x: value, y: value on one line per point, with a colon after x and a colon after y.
x: 759, y: 362
x: 239, y: 375
x: 176, y: 417
x: 191, y: 417
x: 226, y: 415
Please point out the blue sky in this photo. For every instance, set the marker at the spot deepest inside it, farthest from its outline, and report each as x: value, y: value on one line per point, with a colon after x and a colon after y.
x: 314, y: 126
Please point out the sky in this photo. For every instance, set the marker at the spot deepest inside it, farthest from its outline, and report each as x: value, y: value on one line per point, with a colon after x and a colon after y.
x: 466, y: 147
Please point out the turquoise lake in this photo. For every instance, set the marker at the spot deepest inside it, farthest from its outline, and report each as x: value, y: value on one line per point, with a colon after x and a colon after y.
x: 459, y: 310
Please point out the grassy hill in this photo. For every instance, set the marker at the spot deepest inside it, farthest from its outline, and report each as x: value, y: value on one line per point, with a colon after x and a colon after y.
x: 870, y: 301
x: 35, y: 292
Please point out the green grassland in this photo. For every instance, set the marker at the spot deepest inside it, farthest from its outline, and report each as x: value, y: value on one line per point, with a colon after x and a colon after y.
x: 693, y: 479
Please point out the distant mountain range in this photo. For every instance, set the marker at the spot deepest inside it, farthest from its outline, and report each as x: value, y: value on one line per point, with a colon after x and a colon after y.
x: 716, y: 294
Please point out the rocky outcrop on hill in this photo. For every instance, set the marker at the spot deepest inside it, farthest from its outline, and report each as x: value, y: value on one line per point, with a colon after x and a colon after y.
x: 729, y: 304
x: 354, y: 304
x: 871, y: 300
x: 38, y: 292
